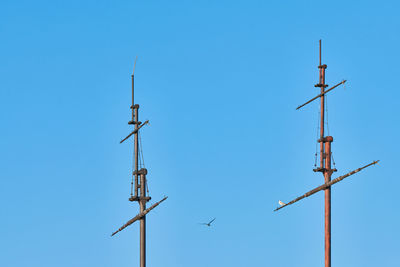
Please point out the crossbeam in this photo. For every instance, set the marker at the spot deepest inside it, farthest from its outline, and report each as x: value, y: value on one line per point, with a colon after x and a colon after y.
x: 330, y: 89
x: 139, y: 216
x: 134, y: 131
x: 326, y: 185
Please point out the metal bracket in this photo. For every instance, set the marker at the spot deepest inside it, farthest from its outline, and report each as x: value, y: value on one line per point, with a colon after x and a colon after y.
x: 319, y: 169
x: 134, y: 122
x: 136, y: 106
x: 321, y: 85
x: 136, y: 198
x: 325, y: 139
x: 141, y: 171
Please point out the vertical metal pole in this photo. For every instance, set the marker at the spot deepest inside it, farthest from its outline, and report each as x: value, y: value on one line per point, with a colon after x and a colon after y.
x: 327, y: 176
x: 325, y: 161
x: 133, y: 97
x: 142, y: 202
x: 136, y: 141
x: 133, y: 120
x: 322, y: 86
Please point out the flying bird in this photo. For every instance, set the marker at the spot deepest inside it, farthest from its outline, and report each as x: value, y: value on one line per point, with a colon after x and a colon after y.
x: 209, y: 223
x: 281, y: 203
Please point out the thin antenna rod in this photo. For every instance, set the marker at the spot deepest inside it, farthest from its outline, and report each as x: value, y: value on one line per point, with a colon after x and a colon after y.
x: 133, y: 89
x: 320, y: 57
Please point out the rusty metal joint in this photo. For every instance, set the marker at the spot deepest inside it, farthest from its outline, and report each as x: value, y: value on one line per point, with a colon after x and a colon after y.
x: 321, y: 85
x: 141, y: 171
x: 136, y: 106
x: 133, y: 198
x: 134, y: 122
x: 325, y: 139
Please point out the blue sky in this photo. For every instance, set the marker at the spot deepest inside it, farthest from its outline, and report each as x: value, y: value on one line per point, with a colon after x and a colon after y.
x: 219, y: 82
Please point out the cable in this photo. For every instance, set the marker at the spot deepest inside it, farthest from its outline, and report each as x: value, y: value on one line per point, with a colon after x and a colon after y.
x: 133, y: 175
x: 141, y: 149
x: 316, y: 143
x: 326, y: 109
x: 142, y: 160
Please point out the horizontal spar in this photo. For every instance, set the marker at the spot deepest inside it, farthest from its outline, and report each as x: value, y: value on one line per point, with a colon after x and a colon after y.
x: 139, y: 216
x: 330, y: 89
x: 325, y: 186
x: 135, y: 131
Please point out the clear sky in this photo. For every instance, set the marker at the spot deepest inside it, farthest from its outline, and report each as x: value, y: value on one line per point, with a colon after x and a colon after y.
x: 219, y: 82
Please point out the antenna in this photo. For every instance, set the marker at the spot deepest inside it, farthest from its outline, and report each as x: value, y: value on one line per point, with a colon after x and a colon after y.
x: 133, y: 88
x: 325, y: 160
x: 139, y: 183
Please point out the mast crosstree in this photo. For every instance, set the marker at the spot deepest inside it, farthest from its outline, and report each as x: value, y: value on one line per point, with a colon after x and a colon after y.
x: 325, y: 160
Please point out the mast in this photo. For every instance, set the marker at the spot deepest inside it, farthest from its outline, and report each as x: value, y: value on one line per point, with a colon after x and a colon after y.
x: 325, y: 159
x: 139, y: 181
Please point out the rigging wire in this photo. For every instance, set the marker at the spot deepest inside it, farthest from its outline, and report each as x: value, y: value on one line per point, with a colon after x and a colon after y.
x: 316, y: 143
x: 141, y: 157
x: 326, y: 110
x: 141, y: 150
x: 327, y: 126
x: 133, y: 170
x: 133, y: 167
x: 333, y: 161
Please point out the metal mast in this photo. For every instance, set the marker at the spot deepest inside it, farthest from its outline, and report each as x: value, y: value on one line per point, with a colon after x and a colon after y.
x: 139, y: 181
x: 325, y: 160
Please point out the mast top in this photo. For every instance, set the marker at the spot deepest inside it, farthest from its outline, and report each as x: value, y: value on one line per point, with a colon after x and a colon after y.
x: 320, y: 57
x: 134, y: 66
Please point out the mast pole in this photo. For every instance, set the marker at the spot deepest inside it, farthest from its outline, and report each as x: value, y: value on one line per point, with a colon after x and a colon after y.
x: 327, y: 176
x: 139, y: 174
x: 136, y: 147
x: 325, y: 160
x: 138, y: 191
x: 135, y: 121
x: 322, y: 86
x: 142, y: 203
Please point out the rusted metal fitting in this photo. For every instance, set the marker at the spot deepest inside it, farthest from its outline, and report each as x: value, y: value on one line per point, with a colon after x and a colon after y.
x: 136, y: 198
x: 142, y: 171
x: 133, y: 198
x: 134, y: 122
x: 323, y: 170
x: 324, y: 66
x: 147, y: 199
x: 325, y: 139
x: 321, y: 85
x: 136, y: 106
x: 319, y: 169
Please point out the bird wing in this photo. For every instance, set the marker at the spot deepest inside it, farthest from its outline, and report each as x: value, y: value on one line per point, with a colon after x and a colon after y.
x: 212, y: 221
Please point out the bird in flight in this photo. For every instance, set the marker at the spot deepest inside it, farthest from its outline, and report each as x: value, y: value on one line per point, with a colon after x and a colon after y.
x: 209, y: 223
x: 281, y: 203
